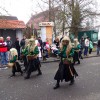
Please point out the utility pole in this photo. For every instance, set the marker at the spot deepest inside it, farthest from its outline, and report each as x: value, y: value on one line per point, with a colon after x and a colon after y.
x: 64, y: 17
x: 49, y: 10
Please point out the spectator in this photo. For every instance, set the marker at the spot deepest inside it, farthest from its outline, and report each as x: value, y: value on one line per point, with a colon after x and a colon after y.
x: 61, y: 38
x: 82, y: 44
x: 3, y: 51
x: 45, y: 50
x: 17, y: 46
x: 86, y: 46
x: 22, y: 43
x: 98, y: 47
x: 39, y: 48
x: 57, y: 42
x: 48, y: 47
x: 41, y: 44
x: 90, y: 46
x: 9, y: 45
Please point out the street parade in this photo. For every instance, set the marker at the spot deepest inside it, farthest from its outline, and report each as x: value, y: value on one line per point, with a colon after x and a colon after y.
x: 50, y: 50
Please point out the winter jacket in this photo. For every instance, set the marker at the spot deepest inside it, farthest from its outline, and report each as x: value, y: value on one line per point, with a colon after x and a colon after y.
x: 9, y: 44
x: 3, y: 46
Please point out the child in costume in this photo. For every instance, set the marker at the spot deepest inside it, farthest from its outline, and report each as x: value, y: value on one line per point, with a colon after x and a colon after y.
x: 16, y: 66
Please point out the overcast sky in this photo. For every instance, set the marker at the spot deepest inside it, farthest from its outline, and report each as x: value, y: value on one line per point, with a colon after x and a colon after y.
x: 23, y: 9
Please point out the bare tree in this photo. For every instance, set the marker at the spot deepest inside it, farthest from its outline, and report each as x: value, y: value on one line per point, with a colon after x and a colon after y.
x: 77, y: 11
x: 71, y: 14
x: 52, y: 8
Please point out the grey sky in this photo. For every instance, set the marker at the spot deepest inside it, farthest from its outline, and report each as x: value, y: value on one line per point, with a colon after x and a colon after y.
x: 24, y: 8
x: 20, y: 8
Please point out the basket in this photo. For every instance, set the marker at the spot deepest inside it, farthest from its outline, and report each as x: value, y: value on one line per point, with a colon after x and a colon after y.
x: 30, y: 57
x: 66, y: 62
x: 10, y: 65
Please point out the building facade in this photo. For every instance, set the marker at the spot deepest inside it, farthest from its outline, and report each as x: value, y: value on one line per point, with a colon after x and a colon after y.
x: 11, y: 26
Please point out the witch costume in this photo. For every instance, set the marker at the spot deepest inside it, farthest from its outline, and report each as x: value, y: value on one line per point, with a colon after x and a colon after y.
x: 77, y: 48
x: 66, y: 70
x: 33, y: 60
x: 24, y: 54
x: 16, y: 66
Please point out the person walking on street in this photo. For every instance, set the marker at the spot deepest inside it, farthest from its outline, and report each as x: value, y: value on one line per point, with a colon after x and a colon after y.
x: 76, y: 51
x: 82, y: 44
x: 98, y: 47
x: 86, y: 46
x: 33, y: 62
x: 90, y: 47
x: 66, y: 70
x: 16, y: 66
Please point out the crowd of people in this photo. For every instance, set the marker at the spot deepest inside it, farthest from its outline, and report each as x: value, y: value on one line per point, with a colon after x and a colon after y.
x: 11, y: 53
x: 84, y: 46
x: 32, y: 50
x: 7, y: 44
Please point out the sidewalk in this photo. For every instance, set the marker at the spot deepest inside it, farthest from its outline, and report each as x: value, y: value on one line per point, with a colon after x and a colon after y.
x: 53, y: 59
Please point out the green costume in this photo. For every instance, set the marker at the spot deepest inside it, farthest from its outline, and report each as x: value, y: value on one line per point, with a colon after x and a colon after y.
x: 69, y: 57
x: 90, y: 45
x: 34, y: 64
x: 13, y: 59
x: 35, y: 51
x: 76, y: 54
x: 63, y: 52
x: 78, y: 47
x: 25, y: 51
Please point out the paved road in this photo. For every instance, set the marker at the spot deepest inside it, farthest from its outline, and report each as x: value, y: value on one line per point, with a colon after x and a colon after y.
x: 86, y: 87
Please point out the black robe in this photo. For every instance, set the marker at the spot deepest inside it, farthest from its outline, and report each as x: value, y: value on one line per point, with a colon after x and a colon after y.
x: 65, y: 72
x: 33, y: 65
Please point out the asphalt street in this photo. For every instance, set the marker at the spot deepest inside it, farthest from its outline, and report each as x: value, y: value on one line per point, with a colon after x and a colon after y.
x: 86, y: 87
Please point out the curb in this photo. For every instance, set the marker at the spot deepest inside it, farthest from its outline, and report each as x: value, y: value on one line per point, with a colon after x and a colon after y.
x: 59, y: 59
x: 56, y: 60
x: 91, y: 56
x: 50, y: 61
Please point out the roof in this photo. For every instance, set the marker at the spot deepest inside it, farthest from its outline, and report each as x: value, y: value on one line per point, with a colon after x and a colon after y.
x: 40, y: 17
x: 97, y: 26
x: 36, y: 19
x: 11, y: 24
x: 9, y: 17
